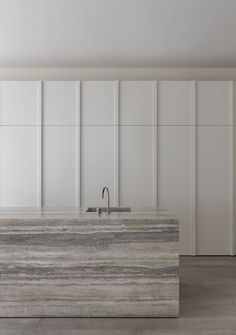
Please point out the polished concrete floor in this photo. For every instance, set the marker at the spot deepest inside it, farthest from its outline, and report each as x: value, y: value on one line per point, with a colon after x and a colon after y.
x: 207, y: 306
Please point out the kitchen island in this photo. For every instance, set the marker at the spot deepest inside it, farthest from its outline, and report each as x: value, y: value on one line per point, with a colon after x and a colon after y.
x: 76, y: 264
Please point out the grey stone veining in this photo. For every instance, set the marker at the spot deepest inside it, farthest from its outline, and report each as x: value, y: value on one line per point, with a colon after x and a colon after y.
x: 126, y: 265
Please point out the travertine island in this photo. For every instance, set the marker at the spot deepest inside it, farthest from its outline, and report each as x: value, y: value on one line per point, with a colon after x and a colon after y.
x: 77, y: 264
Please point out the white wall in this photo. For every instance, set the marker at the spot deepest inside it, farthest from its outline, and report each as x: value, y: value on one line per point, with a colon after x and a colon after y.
x: 174, y: 147
x: 117, y: 33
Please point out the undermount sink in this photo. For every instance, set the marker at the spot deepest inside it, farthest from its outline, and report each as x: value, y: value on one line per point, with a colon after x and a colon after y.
x: 104, y: 209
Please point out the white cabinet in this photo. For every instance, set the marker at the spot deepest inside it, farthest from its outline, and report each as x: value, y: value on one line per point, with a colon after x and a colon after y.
x: 174, y: 103
x: 60, y: 168
x: 98, y: 117
x: 213, y: 103
x: 19, y: 103
x: 61, y: 115
x: 195, y: 169
x: 20, y: 115
x: 137, y: 143
x: 97, y: 164
x: 60, y: 102
x: 175, y: 178
x: 137, y: 102
x: 19, y: 167
x: 213, y: 190
x: 166, y: 143
x: 137, y: 167
x: 98, y: 103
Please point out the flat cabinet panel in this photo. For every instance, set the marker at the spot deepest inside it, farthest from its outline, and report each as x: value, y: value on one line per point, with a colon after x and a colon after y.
x: 97, y: 164
x: 137, y: 102
x: 213, y: 101
x: 19, y: 166
x: 137, y: 185
x: 98, y: 102
x: 60, y: 102
x: 174, y: 102
x: 174, y: 178
x: 60, y: 150
x: 213, y: 190
x: 19, y: 102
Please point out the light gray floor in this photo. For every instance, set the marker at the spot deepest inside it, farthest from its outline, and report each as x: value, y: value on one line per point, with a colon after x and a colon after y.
x: 207, y: 306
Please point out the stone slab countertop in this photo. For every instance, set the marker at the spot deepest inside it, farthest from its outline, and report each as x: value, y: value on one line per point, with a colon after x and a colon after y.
x: 81, y: 214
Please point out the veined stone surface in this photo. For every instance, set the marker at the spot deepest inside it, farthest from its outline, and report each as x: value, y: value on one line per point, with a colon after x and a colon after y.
x: 122, y: 266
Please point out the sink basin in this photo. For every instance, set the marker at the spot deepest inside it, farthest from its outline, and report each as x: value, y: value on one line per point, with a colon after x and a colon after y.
x: 112, y: 209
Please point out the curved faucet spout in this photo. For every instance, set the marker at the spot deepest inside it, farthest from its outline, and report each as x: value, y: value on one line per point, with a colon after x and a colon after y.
x: 108, y: 198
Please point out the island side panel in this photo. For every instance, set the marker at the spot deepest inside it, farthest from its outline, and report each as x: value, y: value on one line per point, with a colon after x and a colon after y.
x: 89, y: 268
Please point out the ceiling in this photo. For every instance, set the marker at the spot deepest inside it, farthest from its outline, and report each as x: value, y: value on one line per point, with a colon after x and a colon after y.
x: 117, y: 33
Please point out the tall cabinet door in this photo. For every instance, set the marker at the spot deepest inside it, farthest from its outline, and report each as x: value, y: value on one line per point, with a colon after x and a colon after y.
x: 60, y: 143
x: 138, y: 144
x: 174, y: 170
x: 98, y: 142
x: 214, y: 172
x: 19, y: 144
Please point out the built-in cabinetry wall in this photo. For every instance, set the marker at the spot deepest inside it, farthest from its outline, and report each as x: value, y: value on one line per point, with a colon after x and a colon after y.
x: 153, y: 143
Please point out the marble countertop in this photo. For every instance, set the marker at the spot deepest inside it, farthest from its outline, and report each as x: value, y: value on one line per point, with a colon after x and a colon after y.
x: 81, y: 214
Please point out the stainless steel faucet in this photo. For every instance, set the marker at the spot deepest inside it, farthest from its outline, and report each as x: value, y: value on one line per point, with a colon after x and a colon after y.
x: 108, y: 198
